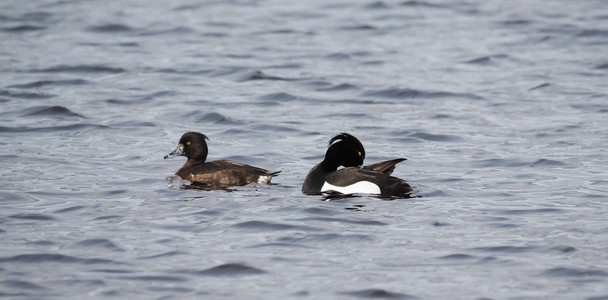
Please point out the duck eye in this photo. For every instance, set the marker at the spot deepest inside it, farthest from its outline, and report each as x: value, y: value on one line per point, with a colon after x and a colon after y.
x: 188, y: 143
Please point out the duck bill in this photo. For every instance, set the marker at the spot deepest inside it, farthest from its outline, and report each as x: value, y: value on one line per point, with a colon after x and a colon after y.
x: 177, y: 152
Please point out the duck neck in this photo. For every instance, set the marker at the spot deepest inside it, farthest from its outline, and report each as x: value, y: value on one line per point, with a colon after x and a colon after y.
x: 329, y: 165
x: 195, y: 161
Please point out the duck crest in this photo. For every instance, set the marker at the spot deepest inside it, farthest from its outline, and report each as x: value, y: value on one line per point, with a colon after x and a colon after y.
x: 344, y: 150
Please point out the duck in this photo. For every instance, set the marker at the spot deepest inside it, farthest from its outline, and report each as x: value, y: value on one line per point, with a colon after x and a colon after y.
x: 347, y: 151
x: 219, y: 173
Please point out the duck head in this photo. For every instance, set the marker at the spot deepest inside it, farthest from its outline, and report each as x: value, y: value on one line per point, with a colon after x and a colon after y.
x: 191, y: 145
x: 344, y: 150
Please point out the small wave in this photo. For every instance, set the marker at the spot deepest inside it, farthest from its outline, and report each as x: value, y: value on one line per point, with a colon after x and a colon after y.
x: 516, y: 22
x: 378, y: 293
x: 345, y: 220
x: 232, y: 269
x: 562, y: 249
x: 572, y: 272
x: 22, y: 284
x: 436, y: 137
x: 338, y: 56
x: 406, y: 93
x: 71, y: 127
x: 273, y: 245
x: 500, y: 162
x: 547, y: 162
x: 274, y: 128
x: 416, y: 3
x: 540, y: 86
x: 163, y: 278
x: 33, y: 216
x: 458, y: 256
x: 338, y: 87
x: 165, y: 254
x: 600, y: 108
x: 319, y: 211
x: 225, y: 71
x: 171, y: 31
x: 592, y: 33
x: 102, y: 243
x: 259, y: 75
x: 23, y: 28
x: 376, y: 5
x: 275, y: 31
x: 261, y: 225
x: 484, y: 60
x: 28, y: 17
x: 217, y: 118
x: 396, y: 93
x: 527, y: 211
x: 487, y: 60
x: 143, y: 99
x: 113, y: 271
x: 54, y: 111
x: 359, y: 27
x: 80, y: 69
x: 282, y: 97
x: 103, y: 218
x: 109, y: 28
x: 25, y: 95
x: 41, y: 83
x: 69, y: 209
x: 506, y: 249
x: 46, y: 257
x: 602, y: 66
x: 327, y: 237
x: 12, y: 197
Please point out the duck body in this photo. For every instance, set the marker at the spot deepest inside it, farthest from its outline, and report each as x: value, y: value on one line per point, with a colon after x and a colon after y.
x: 219, y: 173
x: 346, y: 150
x: 353, y: 180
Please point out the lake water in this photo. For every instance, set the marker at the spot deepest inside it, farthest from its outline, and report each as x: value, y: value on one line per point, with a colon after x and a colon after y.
x: 500, y: 107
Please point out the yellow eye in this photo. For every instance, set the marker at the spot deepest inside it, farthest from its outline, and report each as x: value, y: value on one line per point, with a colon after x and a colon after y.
x: 188, y: 144
x: 359, y: 153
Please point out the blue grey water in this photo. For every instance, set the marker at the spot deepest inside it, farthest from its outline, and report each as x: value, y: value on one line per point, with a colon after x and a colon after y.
x: 500, y: 107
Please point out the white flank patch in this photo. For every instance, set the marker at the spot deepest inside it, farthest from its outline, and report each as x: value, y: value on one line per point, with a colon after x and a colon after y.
x: 361, y: 187
x: 264, y: 179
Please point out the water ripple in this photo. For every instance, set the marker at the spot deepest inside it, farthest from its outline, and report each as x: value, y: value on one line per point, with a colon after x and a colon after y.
x: 344, y: 220
x: 281, y: 97
x: 60, y: 258
x: 25, y: 95
x: 573, y: 272
x: 231, y: 269
x: 507, y: 249
x: 109, y: 28
x: 21, y: 284
x: 102, y: 243
x: 33, y: 216
x: 259, y: 75
x: 23, y: 28
x: 71, y: 127
x: 54, y: 111
x: 261, y: 225
x: 378, y: 293
x: 80, y: 69
x: 42, y: 83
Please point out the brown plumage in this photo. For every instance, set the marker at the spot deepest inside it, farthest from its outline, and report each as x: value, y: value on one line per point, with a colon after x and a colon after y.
x: 219, y: 173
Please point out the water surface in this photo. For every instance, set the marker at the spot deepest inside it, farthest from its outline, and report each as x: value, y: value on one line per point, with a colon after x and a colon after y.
x: 499, y: 107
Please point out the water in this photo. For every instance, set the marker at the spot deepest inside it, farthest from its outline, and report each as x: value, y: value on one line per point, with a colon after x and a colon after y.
x: 499, y: 106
